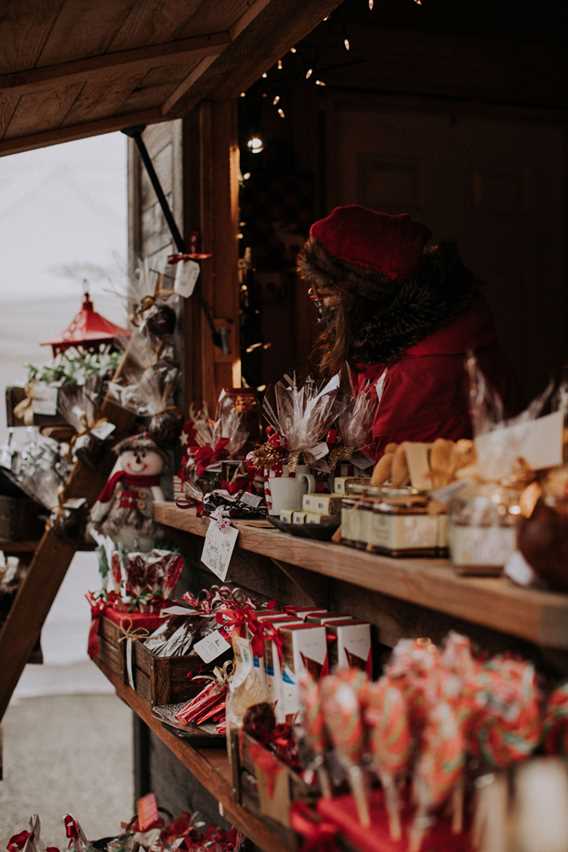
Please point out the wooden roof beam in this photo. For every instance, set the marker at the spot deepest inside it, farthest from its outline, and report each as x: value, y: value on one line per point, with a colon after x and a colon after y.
x: 83, y: 130
x: 169, y: 53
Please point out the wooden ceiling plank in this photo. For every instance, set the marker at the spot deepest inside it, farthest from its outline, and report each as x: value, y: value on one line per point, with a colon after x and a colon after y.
x: 154, y: 21
x: 42, y: 109
x: 99, y: 99
x: 83, y: 29
x: 157, y: 86
x: 24, y: 27
x: 248, y: 17
x: 57, y: 135
x: 99, y: 66
x: 8, y: 106
x: 186, y: 84
x: 236, y: 28
x: 213, y: 16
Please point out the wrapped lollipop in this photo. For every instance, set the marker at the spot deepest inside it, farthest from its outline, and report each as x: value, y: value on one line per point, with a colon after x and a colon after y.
x: 314, y: 727
x: 439, y: 767
x: 391, y: 742
x: 416, y: 665
x: 556, y: 722
x: 505, y: 723
x: 458, y: 687
x: 344, y: 724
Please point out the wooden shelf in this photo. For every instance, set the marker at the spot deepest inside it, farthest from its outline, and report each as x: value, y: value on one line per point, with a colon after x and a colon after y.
x: 210, y: 766
x: 539, y: 617
x: 19, y: 546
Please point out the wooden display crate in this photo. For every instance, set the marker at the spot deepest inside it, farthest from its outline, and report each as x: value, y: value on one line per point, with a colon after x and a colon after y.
x: 164, y: 680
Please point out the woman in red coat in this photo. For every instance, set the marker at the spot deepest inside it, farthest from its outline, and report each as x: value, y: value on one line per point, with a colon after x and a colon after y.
x: 390, y: 303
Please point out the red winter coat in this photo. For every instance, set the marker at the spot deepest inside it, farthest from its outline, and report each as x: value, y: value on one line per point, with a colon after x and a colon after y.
x: 425, y: 394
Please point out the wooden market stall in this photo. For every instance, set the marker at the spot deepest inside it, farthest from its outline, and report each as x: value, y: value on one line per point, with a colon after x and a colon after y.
x: 470, y: 102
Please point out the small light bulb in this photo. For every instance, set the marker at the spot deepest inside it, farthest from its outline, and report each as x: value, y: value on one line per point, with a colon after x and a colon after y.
x: 276, y: 100
x: 326, y: 18
x: 243, y: 94
x: 264, y: 76
x: 347, y: 44
x: 320, y: 83
x: 293, y: 50
x: 246, y: 176
x: 281, y: 112
x: 309, y: 73
x: 255, y: 145
x: 371, y: 5
x: 280, y: 65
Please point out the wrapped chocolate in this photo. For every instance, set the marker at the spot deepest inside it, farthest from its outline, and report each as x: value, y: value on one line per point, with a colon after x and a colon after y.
x: 156, y: 394
x: 41, y: 467
x: 154, y: 305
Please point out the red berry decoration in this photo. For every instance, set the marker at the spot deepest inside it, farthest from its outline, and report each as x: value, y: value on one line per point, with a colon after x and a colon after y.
x: 332, y: 437
x: 270, y: 430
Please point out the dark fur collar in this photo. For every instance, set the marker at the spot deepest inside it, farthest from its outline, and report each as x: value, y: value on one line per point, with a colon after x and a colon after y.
x: 384, y: 318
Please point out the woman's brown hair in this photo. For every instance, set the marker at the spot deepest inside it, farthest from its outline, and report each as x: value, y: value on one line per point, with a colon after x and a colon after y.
x: 376, y: 319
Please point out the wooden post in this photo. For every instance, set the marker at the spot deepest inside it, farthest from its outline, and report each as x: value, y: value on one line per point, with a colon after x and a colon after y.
x: 212, y: 185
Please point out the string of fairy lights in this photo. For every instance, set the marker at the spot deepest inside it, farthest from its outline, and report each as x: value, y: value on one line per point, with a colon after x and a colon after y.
x: 311, y: 72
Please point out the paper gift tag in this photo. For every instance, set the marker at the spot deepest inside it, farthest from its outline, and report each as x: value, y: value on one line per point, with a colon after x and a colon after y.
x: 187, y: 273
x: 218, y: 549
x: 252, y: 500
x: 103, y: 430
x: 319, y: 451
x: 45, y: 399
x: 211, y: 646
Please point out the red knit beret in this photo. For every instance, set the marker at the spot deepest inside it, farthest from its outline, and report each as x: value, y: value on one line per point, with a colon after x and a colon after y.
x: 390, y: 245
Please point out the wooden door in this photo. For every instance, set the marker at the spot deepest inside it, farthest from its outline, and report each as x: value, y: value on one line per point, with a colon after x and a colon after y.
x: 493, y: 184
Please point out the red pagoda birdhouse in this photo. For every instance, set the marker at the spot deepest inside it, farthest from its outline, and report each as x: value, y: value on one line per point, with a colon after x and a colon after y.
x: 88, y: 331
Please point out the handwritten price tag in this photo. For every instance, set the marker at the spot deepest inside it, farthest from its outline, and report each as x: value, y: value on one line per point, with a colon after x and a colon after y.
x: 218, y: 549
x: 211, y: 646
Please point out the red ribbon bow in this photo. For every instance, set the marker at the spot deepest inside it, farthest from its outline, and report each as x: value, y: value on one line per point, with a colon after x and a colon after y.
x: 317, y: 833
x: 205, y: 456
x: 98, y: 607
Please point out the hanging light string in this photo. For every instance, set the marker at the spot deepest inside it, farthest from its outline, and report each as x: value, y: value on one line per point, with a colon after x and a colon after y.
x: 310, y: 68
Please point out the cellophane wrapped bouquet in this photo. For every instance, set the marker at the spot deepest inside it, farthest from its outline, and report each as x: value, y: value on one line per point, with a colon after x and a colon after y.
x: 350, y: 439
x: 485, y: 505
x: 212, y: 447
x: 79, y: 405
x: 299, y: 420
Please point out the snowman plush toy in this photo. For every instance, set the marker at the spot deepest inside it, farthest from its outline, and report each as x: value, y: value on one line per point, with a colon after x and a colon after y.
x: 124, y: 508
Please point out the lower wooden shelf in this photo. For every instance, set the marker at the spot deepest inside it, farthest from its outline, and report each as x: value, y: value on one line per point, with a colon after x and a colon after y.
x: 209, y: 766
x: 540, y: 617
